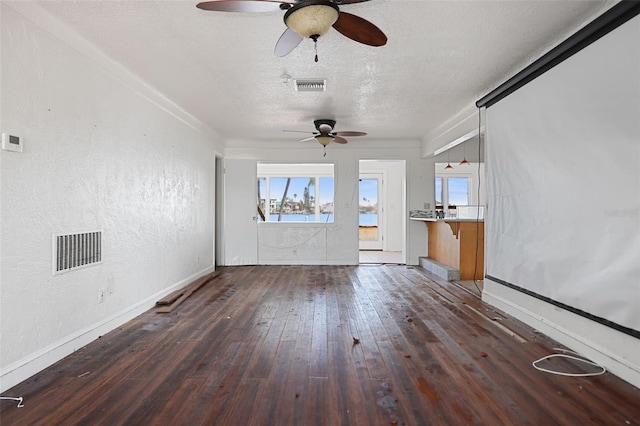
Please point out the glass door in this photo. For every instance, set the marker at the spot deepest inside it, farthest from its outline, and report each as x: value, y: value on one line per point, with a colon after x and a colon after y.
x: 370, y: 212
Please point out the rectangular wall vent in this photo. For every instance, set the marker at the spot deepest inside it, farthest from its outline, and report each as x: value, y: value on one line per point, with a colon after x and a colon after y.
x: 72, y: 251
x: 311, y: 85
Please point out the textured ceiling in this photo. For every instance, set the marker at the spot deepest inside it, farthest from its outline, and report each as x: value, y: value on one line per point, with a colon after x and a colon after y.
x: 441, y: 56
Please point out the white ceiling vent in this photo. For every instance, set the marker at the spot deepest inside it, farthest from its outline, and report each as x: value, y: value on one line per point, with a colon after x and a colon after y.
x: 317, y: 85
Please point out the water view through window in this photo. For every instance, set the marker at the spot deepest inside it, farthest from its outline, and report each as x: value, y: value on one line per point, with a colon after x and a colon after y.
x: 368, y: 209
x: 295, y: 193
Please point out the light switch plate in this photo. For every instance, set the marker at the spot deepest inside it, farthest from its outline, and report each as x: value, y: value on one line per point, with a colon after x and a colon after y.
x: 11, y: 142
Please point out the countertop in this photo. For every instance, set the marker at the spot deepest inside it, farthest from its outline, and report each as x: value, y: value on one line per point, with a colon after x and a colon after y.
x: 446, y: 219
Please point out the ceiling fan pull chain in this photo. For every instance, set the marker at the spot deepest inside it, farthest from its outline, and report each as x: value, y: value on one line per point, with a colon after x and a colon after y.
x: 315, y: 46
x: 325, y: 151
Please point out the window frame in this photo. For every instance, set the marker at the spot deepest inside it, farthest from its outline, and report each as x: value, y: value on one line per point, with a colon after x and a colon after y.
x: 317, y: 171
x: 469, y: 172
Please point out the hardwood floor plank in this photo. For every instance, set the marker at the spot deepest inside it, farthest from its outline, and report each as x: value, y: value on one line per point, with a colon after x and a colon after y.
x: 156, y: 390
x: 273, y: 345
x: 318, y: 355
x: 274, y: 316
x: 315, y: 399
x: 241, y: 409
x: 274, y: 401
x: 371, y: 331
x: 346, y: 361
x: 210, y: 387
x: 298, y: 378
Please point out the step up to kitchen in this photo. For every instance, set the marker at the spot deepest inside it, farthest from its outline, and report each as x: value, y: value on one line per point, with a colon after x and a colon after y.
x: 445, y: 272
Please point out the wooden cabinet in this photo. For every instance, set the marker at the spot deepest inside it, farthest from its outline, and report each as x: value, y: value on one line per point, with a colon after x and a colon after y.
x: 459, y: 244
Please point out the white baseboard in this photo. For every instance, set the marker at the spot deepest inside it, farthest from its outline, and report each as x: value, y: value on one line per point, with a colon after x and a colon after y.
x: 619, y: 353
x: 21, y: 370
x: 307, y: 262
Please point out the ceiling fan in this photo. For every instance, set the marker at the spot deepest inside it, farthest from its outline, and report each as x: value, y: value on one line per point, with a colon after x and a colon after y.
x: 306, y: 19
x: 325, y: 134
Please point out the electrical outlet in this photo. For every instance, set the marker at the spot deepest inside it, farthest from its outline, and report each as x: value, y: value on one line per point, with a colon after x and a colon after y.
x: 101, y: 294
x: 427, y: 206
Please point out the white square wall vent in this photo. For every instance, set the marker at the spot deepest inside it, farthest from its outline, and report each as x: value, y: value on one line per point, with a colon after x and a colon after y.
x: 72, y: 251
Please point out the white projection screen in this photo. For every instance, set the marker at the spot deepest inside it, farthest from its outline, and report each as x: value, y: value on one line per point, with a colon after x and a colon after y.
x: 563, y: 183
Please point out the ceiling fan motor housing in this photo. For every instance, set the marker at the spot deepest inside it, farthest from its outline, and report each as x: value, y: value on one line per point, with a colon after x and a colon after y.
x: 321, y: 125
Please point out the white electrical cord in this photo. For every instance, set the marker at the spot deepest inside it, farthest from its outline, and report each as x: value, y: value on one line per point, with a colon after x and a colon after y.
x: 19, y: 399
x: 577, y: 357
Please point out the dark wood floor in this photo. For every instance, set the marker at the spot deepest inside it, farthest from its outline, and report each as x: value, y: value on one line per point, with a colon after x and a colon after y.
x: 274, y: 345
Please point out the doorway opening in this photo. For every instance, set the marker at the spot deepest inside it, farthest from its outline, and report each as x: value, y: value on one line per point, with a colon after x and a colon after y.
x: 381, y: 208
x: 218, y: 242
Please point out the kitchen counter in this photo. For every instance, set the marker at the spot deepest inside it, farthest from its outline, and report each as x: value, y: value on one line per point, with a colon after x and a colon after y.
x: 458, y: 243
x: 446, y: 219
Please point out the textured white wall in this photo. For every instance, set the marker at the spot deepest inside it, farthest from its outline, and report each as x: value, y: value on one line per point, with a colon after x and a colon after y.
x: 98, y: 155
x: 337, y: 243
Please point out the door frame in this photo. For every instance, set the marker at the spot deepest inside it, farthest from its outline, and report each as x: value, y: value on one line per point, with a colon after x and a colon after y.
x: 394, y: 195
x: 218, y: 233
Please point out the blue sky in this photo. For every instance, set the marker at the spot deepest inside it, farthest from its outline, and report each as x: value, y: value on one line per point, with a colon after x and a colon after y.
x: 458, y: 190
x: 368, y: 190
x: 297, y: 185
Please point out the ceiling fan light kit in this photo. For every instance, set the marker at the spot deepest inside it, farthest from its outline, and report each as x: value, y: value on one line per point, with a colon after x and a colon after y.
x: 325, y: 134
x: 306, y: 19
x: 312, y: 19
x: 324, y: 140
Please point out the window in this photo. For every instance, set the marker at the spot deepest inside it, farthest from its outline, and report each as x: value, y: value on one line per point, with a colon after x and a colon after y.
x: 452, y: 191
x: 458, y: 191
x: 458, y: 187
x: 295, y: 193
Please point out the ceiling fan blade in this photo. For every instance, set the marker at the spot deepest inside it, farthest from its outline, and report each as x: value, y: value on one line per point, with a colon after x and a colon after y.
x: 351, y: 1
x: 242, y: 5
x: 338, y: 139
x: 359, y: 29
x: 298, y: 131
x: 350, y: 133
x: 312, y: 138
x: 288, y: 41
